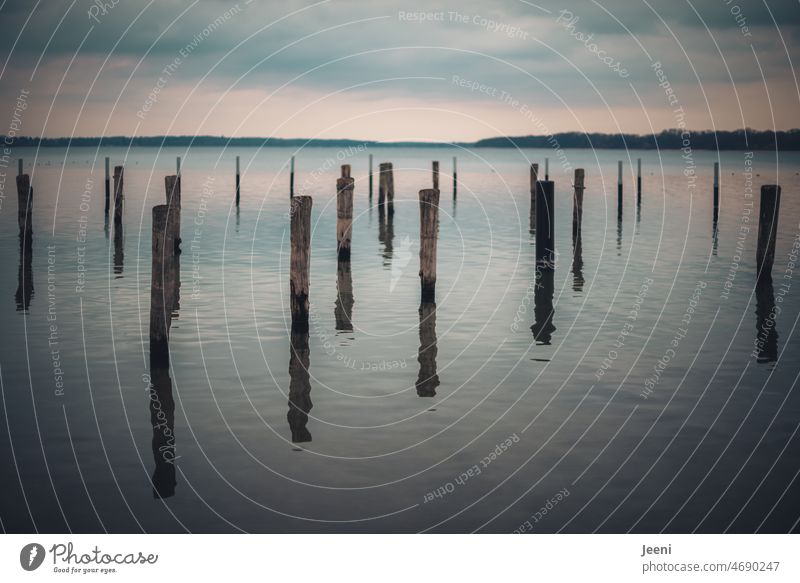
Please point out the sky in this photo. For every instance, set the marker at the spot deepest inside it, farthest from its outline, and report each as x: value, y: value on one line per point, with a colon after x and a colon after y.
x: 396, y: 70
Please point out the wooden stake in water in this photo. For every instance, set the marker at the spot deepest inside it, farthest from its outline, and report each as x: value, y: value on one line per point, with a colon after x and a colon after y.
x: 300, y: 260
x: 291, y: 179
x: 386, y: 188
x: 172, y: 186
x: 619, y: 189
x: 344, y: 217
x: 428, y: 234
x: 160, y: 285
x: 345, y: 170
x: 119, y: 198
x: 534, y: 180
x: 435, y: 168
x: 25, y: 200
x: 370, y: 176
x: 238, y: 181
x: 716, y: 192
x: 455, y: 176
x: 545, y: 224
x: 108, y: 185
x: 767, y: 230
x: 638, y: 181
x: 577, y: 208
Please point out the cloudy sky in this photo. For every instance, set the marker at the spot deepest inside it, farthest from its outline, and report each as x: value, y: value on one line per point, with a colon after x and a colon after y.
x: 397, y: 70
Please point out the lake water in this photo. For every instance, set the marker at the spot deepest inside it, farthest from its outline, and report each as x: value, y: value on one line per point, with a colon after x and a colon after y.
x: 643, y: 403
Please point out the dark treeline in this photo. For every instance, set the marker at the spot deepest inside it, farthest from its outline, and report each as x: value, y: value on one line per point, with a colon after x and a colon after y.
x: 746, y: 139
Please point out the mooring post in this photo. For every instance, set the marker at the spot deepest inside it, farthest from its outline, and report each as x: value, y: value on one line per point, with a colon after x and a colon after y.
x: 545, y: 224
x: 300, y: 260
x: 345, y: 170
x: 428, y: 231
x: 119, y: 198
x: 25, y: 200
x: 716, y: 192
x: 370, y: 177
x: 455, y: 176
x: 435, y: 168
x: 238, y: 181
x: 577, y: 208
x: 547, y: 169
x: 108, y: 185
x: 534, y: 180
x: 619, y: 188
x: 638, y: 181
x: 159, y: 284
x: 291, y: 178
x: 767, y: 230
x: 344, y: 217
x: 172, y: 186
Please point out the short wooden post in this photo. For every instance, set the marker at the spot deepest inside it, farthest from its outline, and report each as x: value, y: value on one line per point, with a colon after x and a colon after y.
x: 435, y: 168
x: 455, y: 176
x: 291, y: 178
x: 716, y: 191
x: 119, y: 198
x: 370, y: 176
x: 619, y: 188
x: 344, y: 217
x: 25, y: 205
x: 638, y: 181
x: 767, y: 229
x: 300, y: 260
x: 386, y: 188
x: 172, y: 186
x: 345, y: 170
x: 547, y: 168
x: 238, y: 181
x: 545, y: 224
x: 577, y: 208
x: 108, y: 185
x: 534, y: 180
x: 159, y: 287
x: 428, y: 232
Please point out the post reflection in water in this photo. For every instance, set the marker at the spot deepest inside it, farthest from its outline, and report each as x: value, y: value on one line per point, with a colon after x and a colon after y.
x: 299, y: 385
x: 343, y: 307
x: 386, y: 236
x: 543, y: 310
x: 162, y: 418
x: 427, y: 380
x: 119, y: 251
x: 24, y: 291
x: 766, y: 342
x: 577, y: 262
x: 619, y: 234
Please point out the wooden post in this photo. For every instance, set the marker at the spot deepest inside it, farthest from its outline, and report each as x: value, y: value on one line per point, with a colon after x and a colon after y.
x: 370, y: 177
x: 577, y: 208
x: 345, y: 170
x: 534, y: 180
x: 238, y: 181
x: 300, y: 260
x: 428, y: 231
x: 178, y: 166
x: 173, y: 190
x: 119, y: 198
x: 619, y: 188
x: 638, y: 181
x: 159, y: 287
x: 25, y: 200
x: 435, y: 166
x: 547, y: 168
x: 767, y: 229
x: 545, y: 224
x: 291, y: 179
x: 386, y: 187
x: 716, y: 191
x: 455, y: 176
x: 344, y: 217
x: 108, y: 185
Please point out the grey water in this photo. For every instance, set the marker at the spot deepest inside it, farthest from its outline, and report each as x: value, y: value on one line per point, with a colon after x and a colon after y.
x: 646, y: 384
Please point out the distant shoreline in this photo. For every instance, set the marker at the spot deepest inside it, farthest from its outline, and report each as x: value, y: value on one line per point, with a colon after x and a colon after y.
x: 745, y: 140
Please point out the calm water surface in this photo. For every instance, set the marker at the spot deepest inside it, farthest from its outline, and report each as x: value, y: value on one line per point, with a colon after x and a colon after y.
x: 642, y: 404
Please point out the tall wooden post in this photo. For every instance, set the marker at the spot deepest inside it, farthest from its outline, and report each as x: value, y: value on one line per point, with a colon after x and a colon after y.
x: 545, y: 224
x: 344, y: 217
x: 108, y: 185
x: 238, y: 181
x: 638, y: 181
x: 300, y: 260
x: 119, y: 198
x: 619, y: 188
x: 159, y: 286
x: 767, y: 229
x: 291, y: 178
x: 455, y: 176
x: 172, y: 186
x: 25, y: 205
x: 577, y: 207
x: 345, y: 170
x: 716, y: 192
x: 435, y: 168
x: 428, y: 233
x: 534, y: 180
x: 370, y: 177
